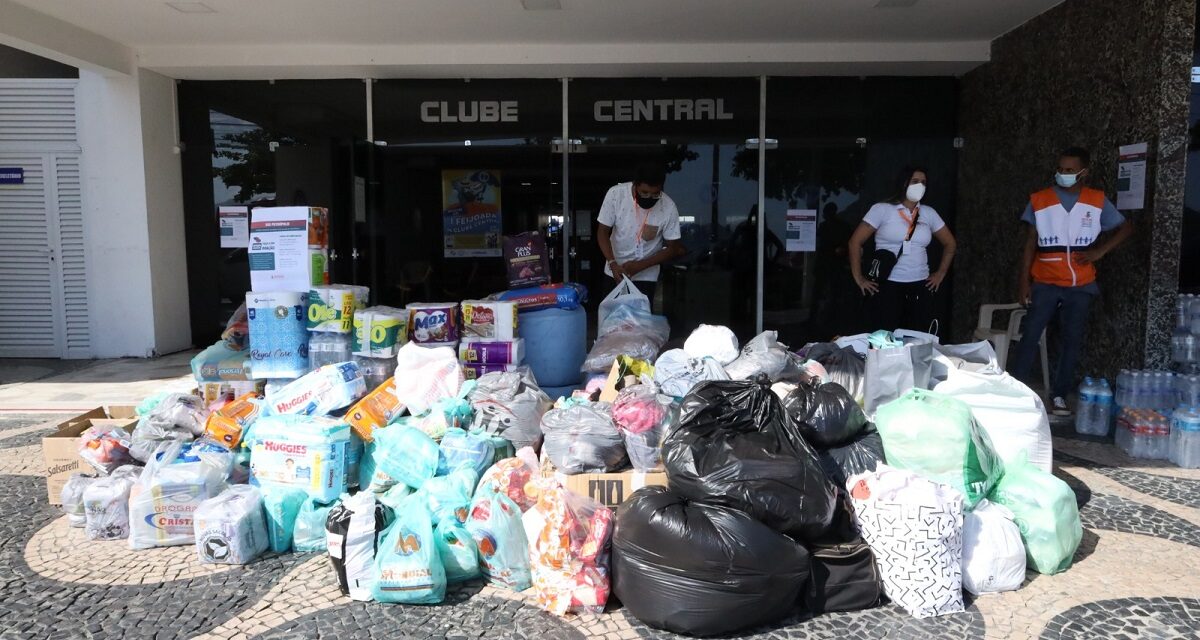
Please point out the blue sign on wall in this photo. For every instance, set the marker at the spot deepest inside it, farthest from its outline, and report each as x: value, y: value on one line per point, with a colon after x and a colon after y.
x: 12, y: 175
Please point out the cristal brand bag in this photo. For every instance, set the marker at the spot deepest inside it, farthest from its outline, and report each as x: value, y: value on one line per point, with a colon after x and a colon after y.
x: 878, y: 266
x: 843, y: 578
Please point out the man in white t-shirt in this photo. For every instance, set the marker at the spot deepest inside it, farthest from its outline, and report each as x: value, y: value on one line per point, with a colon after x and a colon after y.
x: 639, y: 230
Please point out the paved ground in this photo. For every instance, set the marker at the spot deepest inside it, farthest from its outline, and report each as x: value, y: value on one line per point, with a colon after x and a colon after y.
x: 1137, y: 573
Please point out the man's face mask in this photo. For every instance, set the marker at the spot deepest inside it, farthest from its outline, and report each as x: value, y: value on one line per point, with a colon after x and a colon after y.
x: 1067, y: 180
x: 646, y: 199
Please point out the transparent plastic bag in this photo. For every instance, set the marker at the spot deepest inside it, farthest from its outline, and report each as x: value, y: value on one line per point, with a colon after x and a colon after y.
x: 583, y: 439
x: 449, y: 496
x: 627, y: 331
x: 282, y: 505
x: 1046, y: 511
x: 230, y: 528
x: 176, y: 480
x: 510, y: 477
x: 510, y: 404
x: 676, y: 373
x: 762, y: 355
x: 72, y: 498
x: 106, y: 508
x: 569, y: 556
x: 105, y: 448
x: 644, y: 417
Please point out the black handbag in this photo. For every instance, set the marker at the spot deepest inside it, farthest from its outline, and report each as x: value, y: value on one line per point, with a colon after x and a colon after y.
x: 878, y: 266
x: 843, y: 577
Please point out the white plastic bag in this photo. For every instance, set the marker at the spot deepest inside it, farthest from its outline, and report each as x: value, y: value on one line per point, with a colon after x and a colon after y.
x: 1012, y: 414
x: 72, y: 497
x: 761, y: 355
x: 914, y: 527
x: 352, y: 532
x: 993, y: 556
x: 978, y: 357
x: 425, y: 375
x: 625, y: 294
x: 712, y: 341
x: 106, y: 506
x: 628, y: 331
x: 230, y: 528
x: 675, y: 372
x: 176, y: 480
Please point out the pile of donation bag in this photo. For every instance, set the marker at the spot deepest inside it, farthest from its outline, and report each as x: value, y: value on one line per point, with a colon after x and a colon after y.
x: 766, y: 486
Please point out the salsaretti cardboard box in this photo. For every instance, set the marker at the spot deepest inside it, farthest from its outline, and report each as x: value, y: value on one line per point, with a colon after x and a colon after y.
x: 609, y: 489
x: 61, y: 448
x: 288, y: 248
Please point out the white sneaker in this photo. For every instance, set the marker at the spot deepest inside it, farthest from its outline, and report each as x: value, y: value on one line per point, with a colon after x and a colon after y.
x: 1058, y: 406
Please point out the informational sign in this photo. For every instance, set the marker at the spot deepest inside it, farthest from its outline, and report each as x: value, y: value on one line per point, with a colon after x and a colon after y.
x: 235, y: 227
x: 801, y: 230
x: 12, y: 176
x: 471, y: 222
x: 1131, y: 176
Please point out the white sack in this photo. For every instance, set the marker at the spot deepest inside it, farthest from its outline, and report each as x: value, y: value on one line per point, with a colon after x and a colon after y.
x: 1011, y: 413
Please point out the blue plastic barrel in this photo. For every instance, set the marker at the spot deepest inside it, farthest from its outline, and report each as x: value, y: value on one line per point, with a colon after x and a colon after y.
x: 555, y: 344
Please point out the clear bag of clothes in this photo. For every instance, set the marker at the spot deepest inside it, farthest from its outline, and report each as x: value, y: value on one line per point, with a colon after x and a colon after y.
x: 583, y: 439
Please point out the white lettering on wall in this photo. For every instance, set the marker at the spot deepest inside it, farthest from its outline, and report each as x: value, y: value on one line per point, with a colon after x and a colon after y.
x: 470, y: 111
x: 660, y: 109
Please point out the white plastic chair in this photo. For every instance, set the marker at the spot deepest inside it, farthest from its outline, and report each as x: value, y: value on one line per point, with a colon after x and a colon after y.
x: 1002, y: 340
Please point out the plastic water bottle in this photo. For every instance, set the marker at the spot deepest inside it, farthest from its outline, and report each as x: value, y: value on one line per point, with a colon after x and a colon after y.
x: 1188, y: 390
x: 1102, y: 409
x: 328, y: 348
x: 1122, y: 436
x: 1084, y: 408
x: 1185, y: 437
x: 1134, y: 397
x: 376, y: 371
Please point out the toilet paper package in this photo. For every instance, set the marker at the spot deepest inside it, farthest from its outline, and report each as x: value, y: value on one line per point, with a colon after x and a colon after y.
x: 278, y: 339
x: 331, y: 309
x: 495, y: 320
x: 477, y: 371
x: 176, y: 480
x: 304, y: 452
x: 433, y: 322
x: 379, y: 332
x: 492, y: 351
x: 231, y: 528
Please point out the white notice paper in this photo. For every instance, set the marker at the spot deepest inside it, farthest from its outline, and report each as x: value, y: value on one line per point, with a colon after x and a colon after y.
x: 235, y: 227
x: 802, y: 230
x: 1131, y: 176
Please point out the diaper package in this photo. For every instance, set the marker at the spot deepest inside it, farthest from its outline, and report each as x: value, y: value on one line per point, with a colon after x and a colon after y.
x: 304, y: 452
x: 491, y: 319
x: 327, y: 389
x: 375, y: 411
x: 278, y: 339
x: 230, y: 528
x: 331, y: 308
x: 479, y: 351
x: 178, y: 477
x: 379, y: 332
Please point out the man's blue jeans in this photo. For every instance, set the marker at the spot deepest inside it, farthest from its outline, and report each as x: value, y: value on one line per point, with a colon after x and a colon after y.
x: 1046, y: 301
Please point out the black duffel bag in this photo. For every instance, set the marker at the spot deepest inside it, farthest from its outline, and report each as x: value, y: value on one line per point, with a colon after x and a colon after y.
x: 843, y: 578
x: 731, y: 448
x: 700, y: 569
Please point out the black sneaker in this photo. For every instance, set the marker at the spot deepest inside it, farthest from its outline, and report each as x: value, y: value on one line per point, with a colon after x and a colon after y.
x: 1058, y: 406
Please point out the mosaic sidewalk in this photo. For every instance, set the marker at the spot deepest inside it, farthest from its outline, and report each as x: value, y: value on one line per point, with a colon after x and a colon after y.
x: 1136, y: 575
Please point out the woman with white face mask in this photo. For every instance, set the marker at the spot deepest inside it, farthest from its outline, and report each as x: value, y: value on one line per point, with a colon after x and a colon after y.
x: 896, y: 276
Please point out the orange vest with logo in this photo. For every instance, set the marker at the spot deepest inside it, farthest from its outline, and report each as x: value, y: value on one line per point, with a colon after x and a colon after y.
x: 1062, y: 233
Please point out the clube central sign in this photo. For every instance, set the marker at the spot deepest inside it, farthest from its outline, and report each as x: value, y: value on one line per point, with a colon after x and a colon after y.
x: 662, y: 109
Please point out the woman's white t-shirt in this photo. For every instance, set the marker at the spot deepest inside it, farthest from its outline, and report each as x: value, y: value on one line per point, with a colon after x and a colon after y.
x: 891, y: 226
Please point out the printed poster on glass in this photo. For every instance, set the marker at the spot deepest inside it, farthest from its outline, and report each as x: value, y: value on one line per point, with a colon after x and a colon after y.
x: 471, y: 213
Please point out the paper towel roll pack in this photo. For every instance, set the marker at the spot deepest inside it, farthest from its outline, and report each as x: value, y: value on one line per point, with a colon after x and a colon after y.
x: 495, y: 320
x: 379, y: 332
x: 492, y: 351
x: 278, y: 338
x: 331, y: 309
x: 433, y: 322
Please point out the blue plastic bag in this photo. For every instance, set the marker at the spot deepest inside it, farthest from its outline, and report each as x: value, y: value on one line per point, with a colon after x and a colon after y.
x: 450, y: 496
x: 460, y: 448
x: 495, y: 525
x: 457, y: 550
x: 405, y: 455
x: 282, y: 505
x: 408, y: 567
x: 309, y: 533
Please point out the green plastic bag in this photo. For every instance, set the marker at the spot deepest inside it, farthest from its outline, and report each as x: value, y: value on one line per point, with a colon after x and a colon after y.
x: 147, y: 406
x: 406, y: 455
x: 1045, y: 510
x: 936, y: 437
x: 457, y: 549
x: 450, y: 496
x: 282, y: 505
x: 309, y: 533
x: 408, y: 567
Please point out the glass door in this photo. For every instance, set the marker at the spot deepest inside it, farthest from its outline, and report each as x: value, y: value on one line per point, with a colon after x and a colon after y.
x: 697, y: 130
x: 455, y: 167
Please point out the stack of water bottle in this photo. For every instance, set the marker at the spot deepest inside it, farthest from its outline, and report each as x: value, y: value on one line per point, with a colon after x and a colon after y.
x: 1185, y: 341
x: 1159, y: 416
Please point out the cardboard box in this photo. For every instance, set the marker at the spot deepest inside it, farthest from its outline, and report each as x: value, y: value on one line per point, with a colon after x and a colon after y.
x: 609, y: 489
x: 288, y: 248
x: 60, y: 450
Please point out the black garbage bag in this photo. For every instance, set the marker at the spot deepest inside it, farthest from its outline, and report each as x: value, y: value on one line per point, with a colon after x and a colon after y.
x: 825, y: 415
x: 843, y: 364
x: 860, y: 456
x: 732, y: 449
x: 701, y: 569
